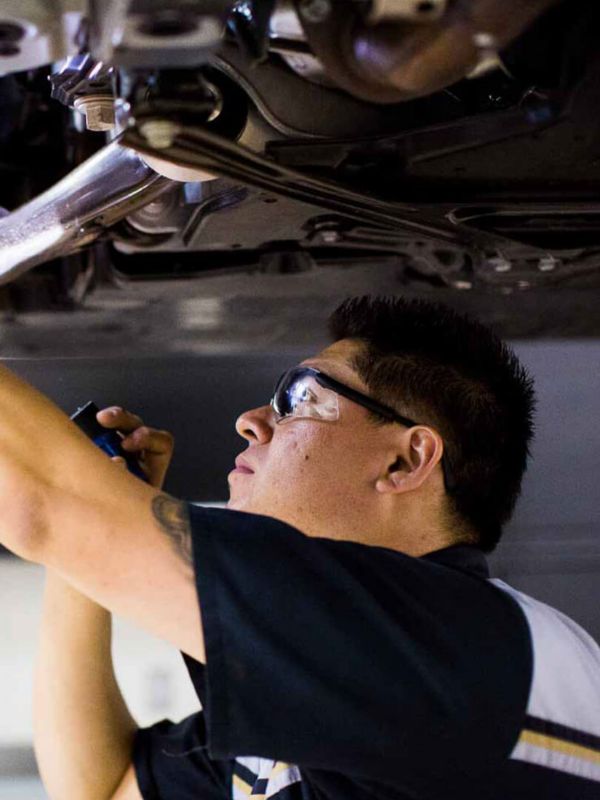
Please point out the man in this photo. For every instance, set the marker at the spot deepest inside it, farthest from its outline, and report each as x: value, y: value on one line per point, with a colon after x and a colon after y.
x: 363, y: 653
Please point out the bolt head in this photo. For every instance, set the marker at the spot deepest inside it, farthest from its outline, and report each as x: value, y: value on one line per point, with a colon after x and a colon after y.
x: 499, y: 264
x: 99, y: 111
x: 547, y: 264
x: 159, y: 133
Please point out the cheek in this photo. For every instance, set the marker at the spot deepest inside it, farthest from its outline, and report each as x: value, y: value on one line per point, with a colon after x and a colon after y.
x: 312, y: 454
x: 296, y: 453
x: 290, y: 462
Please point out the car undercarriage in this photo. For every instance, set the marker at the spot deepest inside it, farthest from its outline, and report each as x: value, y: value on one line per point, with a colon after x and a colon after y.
x: 273, y: 151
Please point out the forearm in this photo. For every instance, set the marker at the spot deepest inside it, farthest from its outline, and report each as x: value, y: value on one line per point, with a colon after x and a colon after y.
x: 83, y: 730
x: 51, y: 476
x: 65, y: 505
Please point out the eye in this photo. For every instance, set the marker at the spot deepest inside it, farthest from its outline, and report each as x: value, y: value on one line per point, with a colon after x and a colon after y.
x: 304, y: 394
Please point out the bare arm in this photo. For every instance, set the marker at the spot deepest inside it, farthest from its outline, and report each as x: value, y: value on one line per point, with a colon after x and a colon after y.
x: 113, y: 537
x: 83, y: 731
x: 128, y: 788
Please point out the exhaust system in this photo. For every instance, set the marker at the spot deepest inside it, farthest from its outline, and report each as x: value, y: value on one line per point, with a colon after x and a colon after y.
x: 75, y: 211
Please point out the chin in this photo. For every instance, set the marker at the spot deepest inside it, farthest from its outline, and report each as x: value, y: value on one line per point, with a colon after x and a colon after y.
x: 238, y: 503
x: 248, y: 506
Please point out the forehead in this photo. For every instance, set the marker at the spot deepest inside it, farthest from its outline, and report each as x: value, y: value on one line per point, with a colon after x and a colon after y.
x: 336, y: 359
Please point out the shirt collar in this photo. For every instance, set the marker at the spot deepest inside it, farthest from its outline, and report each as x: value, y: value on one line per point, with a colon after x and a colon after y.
x: 463, y: 557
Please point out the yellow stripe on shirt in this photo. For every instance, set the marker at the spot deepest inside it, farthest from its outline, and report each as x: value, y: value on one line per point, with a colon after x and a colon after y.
x: 560, y: 746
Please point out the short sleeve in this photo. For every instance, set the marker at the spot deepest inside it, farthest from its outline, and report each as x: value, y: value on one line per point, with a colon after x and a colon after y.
x: 171, y: 763
x: 340, y: 656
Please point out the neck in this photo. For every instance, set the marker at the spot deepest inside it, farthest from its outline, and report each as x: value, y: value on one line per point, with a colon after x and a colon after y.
x: 414, y: 528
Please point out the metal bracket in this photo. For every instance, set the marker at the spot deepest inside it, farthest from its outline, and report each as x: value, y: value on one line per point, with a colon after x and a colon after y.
x: 151, y: 34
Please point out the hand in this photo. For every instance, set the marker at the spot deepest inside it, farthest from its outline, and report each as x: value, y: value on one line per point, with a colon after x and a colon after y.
x: 153, y: 448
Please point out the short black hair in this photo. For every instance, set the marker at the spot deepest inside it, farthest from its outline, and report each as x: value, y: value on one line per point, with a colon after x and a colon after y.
x: 449, y: 371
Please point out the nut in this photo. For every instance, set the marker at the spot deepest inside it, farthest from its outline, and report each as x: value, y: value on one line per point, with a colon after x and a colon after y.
x: 99, y: 111
x: 159, y: 133
x: 547, y: 264
x: 499, y: 264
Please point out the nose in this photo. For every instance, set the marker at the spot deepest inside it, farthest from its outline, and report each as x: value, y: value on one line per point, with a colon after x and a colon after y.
x: 256, y: 425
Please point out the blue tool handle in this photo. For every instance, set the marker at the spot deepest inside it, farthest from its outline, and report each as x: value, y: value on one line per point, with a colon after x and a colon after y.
x: 105, y: 438
x: 110, y: 442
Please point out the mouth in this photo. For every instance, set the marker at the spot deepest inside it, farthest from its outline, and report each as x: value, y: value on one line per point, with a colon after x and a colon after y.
x: 242, y: 468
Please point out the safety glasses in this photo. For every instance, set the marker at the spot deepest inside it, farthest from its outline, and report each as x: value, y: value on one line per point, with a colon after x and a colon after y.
x: 306, y: 392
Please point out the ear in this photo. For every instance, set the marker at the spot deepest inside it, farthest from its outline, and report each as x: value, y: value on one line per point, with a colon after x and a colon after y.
x: 420, y: 451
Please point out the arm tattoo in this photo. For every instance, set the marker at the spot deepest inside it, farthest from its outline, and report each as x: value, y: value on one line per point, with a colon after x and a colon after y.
x: 173, y: 517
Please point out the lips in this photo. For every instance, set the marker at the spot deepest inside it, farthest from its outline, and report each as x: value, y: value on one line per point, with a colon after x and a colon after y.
x: 243, y: 467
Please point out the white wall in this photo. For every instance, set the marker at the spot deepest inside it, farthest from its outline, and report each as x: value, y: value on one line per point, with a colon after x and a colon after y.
x: 151, y: 673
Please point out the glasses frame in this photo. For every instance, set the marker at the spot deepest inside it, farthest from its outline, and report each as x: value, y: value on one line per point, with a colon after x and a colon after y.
x: 360, y: 399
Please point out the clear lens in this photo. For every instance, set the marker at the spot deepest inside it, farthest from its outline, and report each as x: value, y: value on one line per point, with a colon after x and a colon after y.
x: 300, y: 395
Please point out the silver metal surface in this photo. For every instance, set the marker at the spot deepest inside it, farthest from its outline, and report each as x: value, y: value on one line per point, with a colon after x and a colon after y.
x: 174, y: 34
x: 285, y: 28
x: 285, y: 33
x: 284, y: 22
x: 109, y: 28
x: 48, y: 32
x: 98, y: 193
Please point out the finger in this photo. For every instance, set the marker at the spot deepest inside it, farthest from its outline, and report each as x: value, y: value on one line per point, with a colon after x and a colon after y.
x: 117, y: 417
x: 155, y: 448
x: 150, y: 440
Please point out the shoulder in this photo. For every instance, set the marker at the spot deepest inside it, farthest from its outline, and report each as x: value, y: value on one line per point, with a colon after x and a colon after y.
x: 561, y: 726
x: 566, y: 675
x: 549, y: 627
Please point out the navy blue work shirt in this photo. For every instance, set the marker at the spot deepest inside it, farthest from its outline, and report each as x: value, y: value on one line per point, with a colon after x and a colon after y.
x: 340, y: 671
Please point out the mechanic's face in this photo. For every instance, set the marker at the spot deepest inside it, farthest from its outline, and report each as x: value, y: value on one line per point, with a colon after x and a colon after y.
x: 317, y: 475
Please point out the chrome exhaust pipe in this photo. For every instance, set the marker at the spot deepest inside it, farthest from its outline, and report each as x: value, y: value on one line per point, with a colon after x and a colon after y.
x: 101, y: 191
